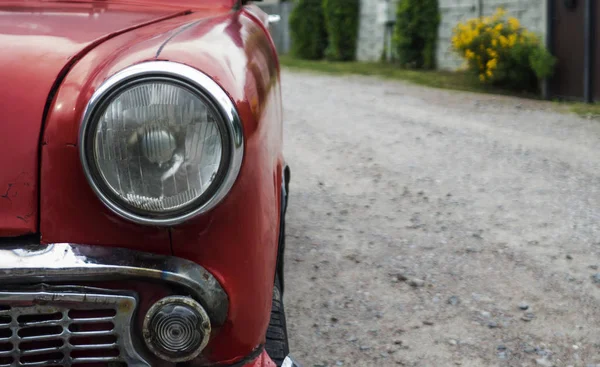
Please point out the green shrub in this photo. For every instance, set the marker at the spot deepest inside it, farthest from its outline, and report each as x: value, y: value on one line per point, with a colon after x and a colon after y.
x: 416, y: 33
x: 542, y: 62
x: 341, y: 20
x: 307, y: 29
x: 502, y: 52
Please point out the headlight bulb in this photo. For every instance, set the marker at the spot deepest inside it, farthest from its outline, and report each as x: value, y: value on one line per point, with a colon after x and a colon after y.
x: 157, y: 144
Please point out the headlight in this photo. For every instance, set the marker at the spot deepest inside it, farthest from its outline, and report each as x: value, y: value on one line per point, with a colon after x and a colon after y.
x: 161, y: 142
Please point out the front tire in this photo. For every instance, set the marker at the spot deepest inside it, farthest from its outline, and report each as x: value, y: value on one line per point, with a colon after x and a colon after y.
x: 277, y: 345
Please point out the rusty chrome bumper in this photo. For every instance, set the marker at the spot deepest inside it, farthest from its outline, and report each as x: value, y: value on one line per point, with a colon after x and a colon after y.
x: 43, y: 299
x: 68, y: 262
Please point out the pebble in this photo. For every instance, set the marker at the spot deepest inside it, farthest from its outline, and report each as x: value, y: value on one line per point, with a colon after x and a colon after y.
x: 596, y: 278
x: 452, y: 342
x: 569, y: 257
x: 523, y: 306
x: 485, y: 314
x: 454, y: 300
x: 481, y: 298
x: 528, y: 317
x: 492, y: 325
x: 339, y: 363
x: 364, y: 347
x: 543, y: 362
x: 501, y: 347
x: 428, y: 323
x: 593, y: 267
x: 399, y: 277
x: 418, y: 283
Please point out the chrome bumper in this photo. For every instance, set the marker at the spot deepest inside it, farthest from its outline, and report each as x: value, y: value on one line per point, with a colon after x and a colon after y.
x: 52, y: 325
x: 76, y: 263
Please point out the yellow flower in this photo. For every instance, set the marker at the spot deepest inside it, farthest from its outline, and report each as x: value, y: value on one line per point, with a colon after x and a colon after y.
x: 482, y: 77
x: 500, y: 12
x: 503, y: 41
x: 492, y: 53
x: 514, y: 23
x: 469, y: 54
x: 492, y: 64
x: 494, y: 42
x: 512, y: 40
x: 489, y: 73
x: 499, y: 27
x: 455, y: 42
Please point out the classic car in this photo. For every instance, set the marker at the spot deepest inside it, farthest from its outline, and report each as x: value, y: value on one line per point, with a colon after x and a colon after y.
x: 143, y: 187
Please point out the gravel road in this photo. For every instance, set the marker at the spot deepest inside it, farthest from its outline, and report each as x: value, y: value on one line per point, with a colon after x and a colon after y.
x: 439, y: 228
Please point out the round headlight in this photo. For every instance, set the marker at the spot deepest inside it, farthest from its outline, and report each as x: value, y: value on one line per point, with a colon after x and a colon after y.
x: 161, y: 142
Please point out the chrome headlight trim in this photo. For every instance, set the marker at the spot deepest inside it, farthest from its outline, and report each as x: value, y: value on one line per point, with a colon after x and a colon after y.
x: 202, y: 84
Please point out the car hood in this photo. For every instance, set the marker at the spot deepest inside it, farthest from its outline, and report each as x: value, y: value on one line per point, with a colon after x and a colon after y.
x: 39, y: 42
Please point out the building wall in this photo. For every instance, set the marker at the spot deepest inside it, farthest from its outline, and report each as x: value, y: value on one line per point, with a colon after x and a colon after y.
x: 280, y: 32
x: 531, y: 13
x: 372, y: 30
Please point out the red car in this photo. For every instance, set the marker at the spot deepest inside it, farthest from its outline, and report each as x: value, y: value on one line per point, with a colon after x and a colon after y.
x: 143, y: 188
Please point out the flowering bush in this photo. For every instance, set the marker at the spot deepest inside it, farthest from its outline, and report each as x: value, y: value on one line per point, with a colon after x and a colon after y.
x: 502, y: 52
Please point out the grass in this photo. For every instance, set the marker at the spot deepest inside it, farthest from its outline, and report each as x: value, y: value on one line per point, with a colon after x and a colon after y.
x: 584, y: 109
x: 461, y: 81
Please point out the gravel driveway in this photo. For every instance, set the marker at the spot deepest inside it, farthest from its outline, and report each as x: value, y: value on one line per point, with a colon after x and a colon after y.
x: 439, y: 228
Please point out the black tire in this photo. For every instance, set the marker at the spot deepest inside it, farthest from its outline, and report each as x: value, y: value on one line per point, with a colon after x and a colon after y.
x: 277, y: 339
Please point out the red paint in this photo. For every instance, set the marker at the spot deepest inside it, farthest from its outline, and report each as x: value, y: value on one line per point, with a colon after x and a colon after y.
x: 237, y: 241
x: 36, y: 46
x: 240, y: 244
x: 262, y: 361
x: 70, y: 211
x: 188, y: 4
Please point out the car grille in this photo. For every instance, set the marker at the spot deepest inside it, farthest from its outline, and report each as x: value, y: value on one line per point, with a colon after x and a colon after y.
x: 67, y: 327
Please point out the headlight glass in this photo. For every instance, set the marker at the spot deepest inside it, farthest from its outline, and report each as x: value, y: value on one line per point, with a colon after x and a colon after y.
x: 158, y: 146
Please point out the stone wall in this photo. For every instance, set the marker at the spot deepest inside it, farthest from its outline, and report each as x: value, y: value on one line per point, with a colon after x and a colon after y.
x: 372, y: 29
x: 280, y: 32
